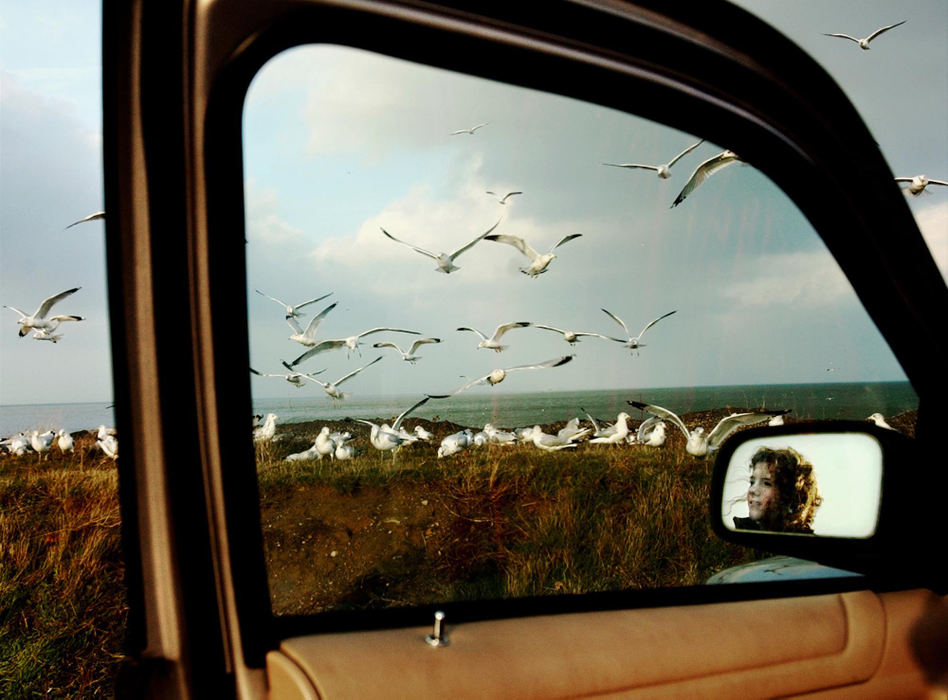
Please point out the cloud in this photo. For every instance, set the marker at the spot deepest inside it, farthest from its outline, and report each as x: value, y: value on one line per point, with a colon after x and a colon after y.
x: 802, y: 279
x: 264, y: 225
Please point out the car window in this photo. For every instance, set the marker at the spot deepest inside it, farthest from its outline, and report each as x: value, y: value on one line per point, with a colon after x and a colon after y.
x: 517, y: 281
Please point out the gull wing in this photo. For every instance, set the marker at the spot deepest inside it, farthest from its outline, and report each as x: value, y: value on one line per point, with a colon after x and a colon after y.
x: 504, y: 327
x: 844, y: 36
x: 294, y: 324
x: 469, y: 245
x: 620, y: 322
x: 473, y: 330
x: 312, y: 301
x: 632, y: 165
x: 703, y: 172
x: 49, y: 301
x: 91, y: 217
x: 401, y: 416
x: 316, y: 349
x: 299, y: 374
x: 316, y: 320
x: 516, y: 242
x: 556, y: 362
x: 566, y: 239
x: 732, y: 422
x: 385, y: 328
x: 386, y: 344
x: 13, y: 308
x: 356, y: 371
x: 654, y: 321
x: 647, y: 426
x: 881, y: 30
x: 937, y: 182
x: 421, y: 341
x: 413, y: 247
x: 278, y: 301
x: 684, y: 153
x: 661, y: 413
x: 591, y: 420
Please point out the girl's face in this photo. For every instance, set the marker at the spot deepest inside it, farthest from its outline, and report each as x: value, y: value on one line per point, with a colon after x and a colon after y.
x: 762, y: 493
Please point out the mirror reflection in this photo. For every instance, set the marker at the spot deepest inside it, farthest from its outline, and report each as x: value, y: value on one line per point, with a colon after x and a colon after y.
x: 822, y: 484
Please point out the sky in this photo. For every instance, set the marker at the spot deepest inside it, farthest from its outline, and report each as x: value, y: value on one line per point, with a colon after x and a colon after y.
x: 339, y: 143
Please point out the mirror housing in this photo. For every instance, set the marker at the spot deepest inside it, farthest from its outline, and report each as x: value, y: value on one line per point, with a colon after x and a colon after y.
x: 832, y: 499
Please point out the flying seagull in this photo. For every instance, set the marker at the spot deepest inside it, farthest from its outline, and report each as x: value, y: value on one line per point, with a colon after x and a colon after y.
x: 664, y: 170
x: 918, y: 183
x: 38, y: 318
x: 91, y: 217
x: 308, y: 337
x: 498, y: 375
x: 387, y: 437
x: 409, y: 355
x: 350, y: 343
x: 704, y: 171
x: 445, y: 261
x: 293, y: 310
x: 294, y: 378
x: 469, y: 131
x: 503, y: 200
x: 52, y: 324
x: 634, y: 342
x: 332, y: 388
x: 538, y: 262
x: 571, y: 337
x: 864, y: 43
x: 493, y: 343
x: 699, y: 443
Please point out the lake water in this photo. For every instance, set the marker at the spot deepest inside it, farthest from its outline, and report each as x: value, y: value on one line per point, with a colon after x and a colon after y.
x: 483, y: 404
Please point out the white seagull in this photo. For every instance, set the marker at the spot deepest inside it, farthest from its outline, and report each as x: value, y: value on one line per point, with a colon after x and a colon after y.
x: 651, y: 432
x: 41, y: 442
x: 332, y: 388
x: 293, y: 310
x: 109, y: 445
x: 294, y: 378
x: 503, y: 200
x: 456, y: 442
x: 699, y: 443
x: 864, y: 43
x: 91, y: 217
x: 65, y: 441
x: 37, y: 319
x: 52, y: 324
x: 918, y: 183
x: 410, y: 355
x: 498, y: 375
x: 538, y: 261
x: 350, y: 343
x: 615, y: 434
x: 445, y: 260
x: 469, y: 131
x: 704, y: 171
x: 307, y: 337
x: 548, y: 442
x: 664, y: 170
x: 634, y: 342
x: 571, y: 337
x: 265, y: 432
x: 879, y: 420
x: 493, y: 343
x: 384, y: 437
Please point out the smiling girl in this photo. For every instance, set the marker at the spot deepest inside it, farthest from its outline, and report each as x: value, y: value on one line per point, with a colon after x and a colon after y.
x: 782, y: 495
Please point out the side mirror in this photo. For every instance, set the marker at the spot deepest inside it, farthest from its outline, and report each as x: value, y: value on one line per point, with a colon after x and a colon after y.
x: 822, y: 491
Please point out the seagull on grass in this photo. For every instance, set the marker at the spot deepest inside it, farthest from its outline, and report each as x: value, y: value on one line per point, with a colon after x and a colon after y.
x: 38, y: 319
x: 409, y: 355
x: 445, y: 260
x: 350, y: 343
x: 664, y: 170
x: 266, y: 431
x: 918, y: 183
x: 634, y: 342
x: 498, y: 375
x: 293, y: 310
x: 704, y: 171
x: 493, y: 343
x: 538, y: 261
x: 332, y: 388
x: 385, y: 437
x: 699, y: 443
x: 864, y: 43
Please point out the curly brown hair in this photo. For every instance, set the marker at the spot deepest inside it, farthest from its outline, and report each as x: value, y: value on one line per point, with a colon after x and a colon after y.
x: 798, y: 495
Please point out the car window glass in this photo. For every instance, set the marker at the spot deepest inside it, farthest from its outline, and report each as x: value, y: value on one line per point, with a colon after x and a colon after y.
x: 496, y: 265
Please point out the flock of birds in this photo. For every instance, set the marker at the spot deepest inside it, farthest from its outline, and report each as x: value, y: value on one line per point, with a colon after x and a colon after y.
x: 40, y: 443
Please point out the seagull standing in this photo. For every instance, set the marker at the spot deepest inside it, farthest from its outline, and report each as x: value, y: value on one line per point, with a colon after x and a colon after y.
x: 879, y: 420
x: 41, y: 442
x: 293, y: 310
x: 445, y: 260
x: 410, y: 355
x: 699, y: 443
x: 307, y: 337
x: 538, y: 262
x: 704, y: 171
x: 65, y: 441
x: 37, y: 319
x: 469, y: 131
x: 350, y: 343
x: 332, y: 388
x: 493, y: 343
x: 91, y: 217
x: 918, y: 183
x: 634, y: 342
x: 664, y: 170
x: 498, y: 375
x: 265, y: 432
x: 864, y: 43
x: 615, y: 434
x: 294, y: 378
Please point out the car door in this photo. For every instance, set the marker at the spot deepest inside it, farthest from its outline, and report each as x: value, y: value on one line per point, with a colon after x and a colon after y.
x: 213, y: 605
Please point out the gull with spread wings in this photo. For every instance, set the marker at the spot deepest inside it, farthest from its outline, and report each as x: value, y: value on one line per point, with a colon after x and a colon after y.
x: 350, y: 343
x: 332, y: 388
x: 538, y: 261
x: 493, y: 343
x: 634, y: 342
x: 293, y: 310
x: 308, y: 337
x: 409, y: 355
x: 445, y: 260
x: 38, y: 320
x: 704, y: 171
x: 663, y: 170
x: 498, y: 375
x: 864, y: 42
x: 294, y: 378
